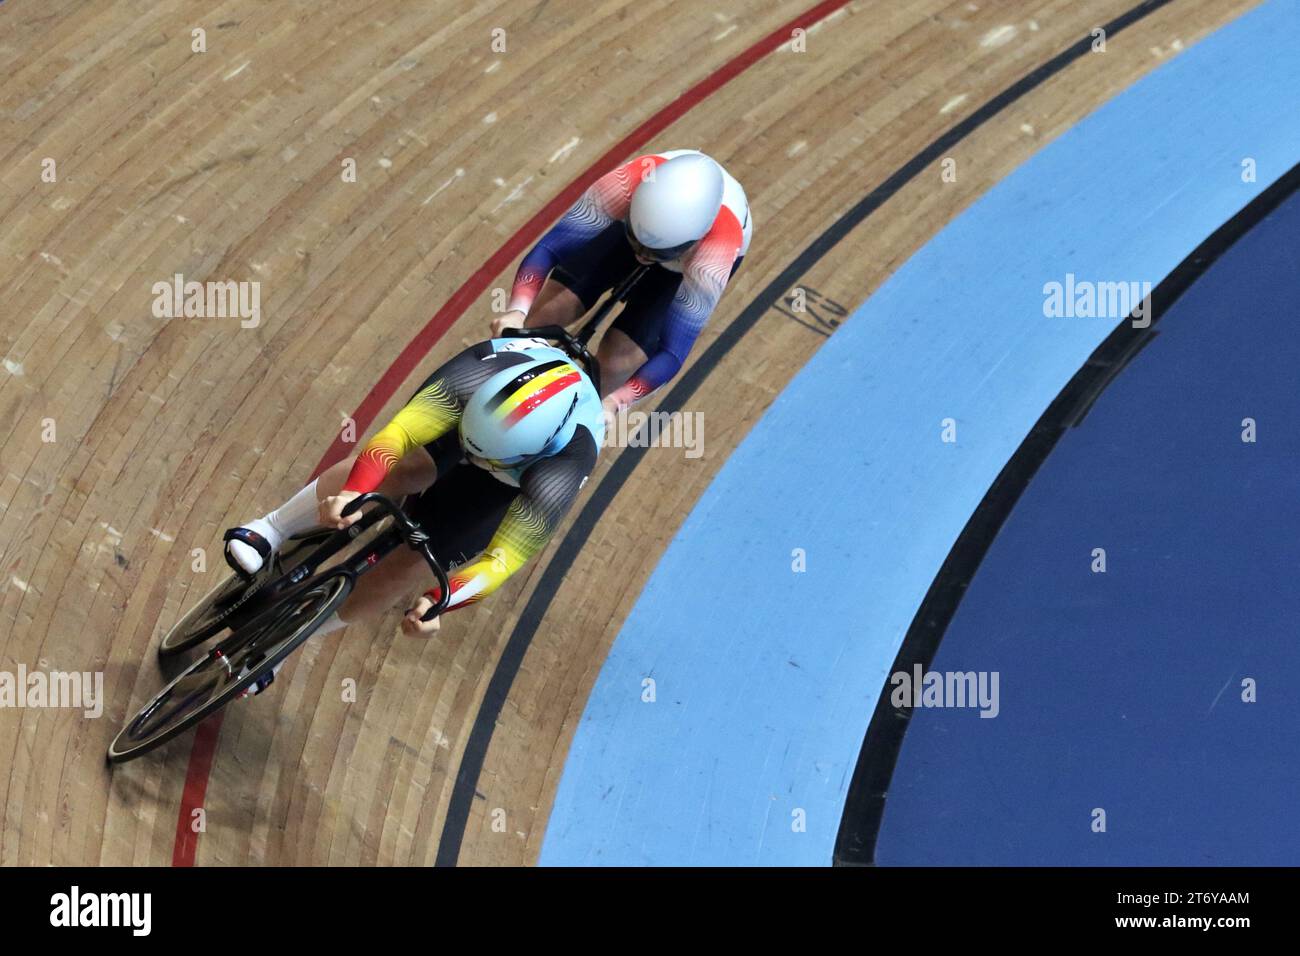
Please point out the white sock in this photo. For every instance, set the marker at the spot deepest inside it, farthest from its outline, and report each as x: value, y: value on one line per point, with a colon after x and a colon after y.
x: 300, y: 513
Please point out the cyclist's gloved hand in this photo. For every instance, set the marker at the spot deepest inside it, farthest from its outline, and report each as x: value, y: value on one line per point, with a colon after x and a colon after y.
x: 411, y: 623
x: 513, y: 319
x: 331, y: 510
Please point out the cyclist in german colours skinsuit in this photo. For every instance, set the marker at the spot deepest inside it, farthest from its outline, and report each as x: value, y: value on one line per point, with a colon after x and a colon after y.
x: 499, y: 440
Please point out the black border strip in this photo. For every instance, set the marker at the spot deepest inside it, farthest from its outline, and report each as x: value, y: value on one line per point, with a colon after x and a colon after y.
x: 864, y: 805
x: 471, y: 764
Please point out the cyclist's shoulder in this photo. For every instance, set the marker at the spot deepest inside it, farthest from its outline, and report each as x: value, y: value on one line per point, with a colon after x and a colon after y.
x: 577, y: 455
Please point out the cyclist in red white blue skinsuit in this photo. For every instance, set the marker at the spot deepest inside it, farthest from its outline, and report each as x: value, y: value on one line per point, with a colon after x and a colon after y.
x: 678, y: 211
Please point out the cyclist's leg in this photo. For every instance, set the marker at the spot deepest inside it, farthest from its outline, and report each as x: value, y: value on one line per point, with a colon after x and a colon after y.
x: 577, y: 282
x: 461, y: 511
x: 556, y: 304
x: 619, y: 356
x: 398, y: 576
x: 634, y: 336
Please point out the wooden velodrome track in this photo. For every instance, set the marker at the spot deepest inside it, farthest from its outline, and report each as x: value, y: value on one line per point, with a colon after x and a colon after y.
x: 226, y: 165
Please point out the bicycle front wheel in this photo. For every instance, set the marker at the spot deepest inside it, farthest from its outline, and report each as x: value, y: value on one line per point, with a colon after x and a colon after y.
x: 213, y: 613
x: 230, y: 667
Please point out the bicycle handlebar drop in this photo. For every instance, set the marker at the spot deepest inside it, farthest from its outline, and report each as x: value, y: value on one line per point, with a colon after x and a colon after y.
x: 415, y: 536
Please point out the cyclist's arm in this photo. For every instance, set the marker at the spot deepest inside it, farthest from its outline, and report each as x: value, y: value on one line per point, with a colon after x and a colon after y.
x: 432, y: 412
x: 704, y: 277
x: 546, y: 491
x: 606, y: 201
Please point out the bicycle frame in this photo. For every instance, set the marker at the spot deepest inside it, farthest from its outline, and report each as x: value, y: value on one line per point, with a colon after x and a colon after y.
x: 576, y: 345
x: 300, y: 578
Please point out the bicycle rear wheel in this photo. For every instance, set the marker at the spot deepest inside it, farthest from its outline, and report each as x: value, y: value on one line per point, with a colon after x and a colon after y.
x: 210, y: 616
x: 230, y: 667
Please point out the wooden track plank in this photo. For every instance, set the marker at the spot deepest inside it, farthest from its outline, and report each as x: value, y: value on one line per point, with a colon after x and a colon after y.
x: 172, y: 429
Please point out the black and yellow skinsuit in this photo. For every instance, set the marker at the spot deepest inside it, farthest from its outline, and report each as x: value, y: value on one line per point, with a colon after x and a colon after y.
x: 470, y: 511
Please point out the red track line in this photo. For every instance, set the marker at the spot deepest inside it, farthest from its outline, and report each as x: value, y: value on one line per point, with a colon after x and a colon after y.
x: 205, y: 741
x: 202, y: 753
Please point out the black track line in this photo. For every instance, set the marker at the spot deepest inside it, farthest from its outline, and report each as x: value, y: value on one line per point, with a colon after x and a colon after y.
x: 864, y: 805
x: 498, y: 690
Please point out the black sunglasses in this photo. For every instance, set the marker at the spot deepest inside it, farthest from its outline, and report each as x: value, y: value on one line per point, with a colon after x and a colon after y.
x: 657, y: 255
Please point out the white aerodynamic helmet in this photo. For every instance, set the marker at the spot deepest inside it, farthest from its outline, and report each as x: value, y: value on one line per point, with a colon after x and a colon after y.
x: 674, y: 210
